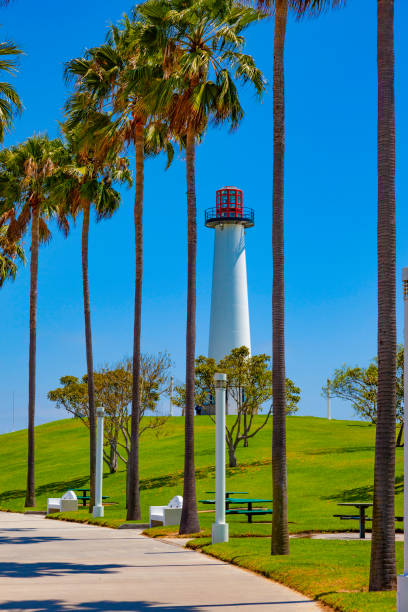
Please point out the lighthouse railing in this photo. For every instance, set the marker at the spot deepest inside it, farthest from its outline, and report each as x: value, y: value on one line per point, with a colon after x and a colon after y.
x: 246, y: 214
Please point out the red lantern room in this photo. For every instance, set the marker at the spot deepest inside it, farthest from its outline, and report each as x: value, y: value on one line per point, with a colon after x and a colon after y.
x: 229, y: 209
x: 229, y: 200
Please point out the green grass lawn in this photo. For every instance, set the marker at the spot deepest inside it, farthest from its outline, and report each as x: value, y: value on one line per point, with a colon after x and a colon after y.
x: 333, y: 572
x: 328, y: 462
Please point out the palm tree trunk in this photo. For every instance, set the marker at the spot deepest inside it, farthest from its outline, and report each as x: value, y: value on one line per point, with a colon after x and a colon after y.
x: 189, y: 516
x: 133, y: 503
x: 383, y: 567
x: 30, y: 491
x: 280, y: 535
x: 89, y: 357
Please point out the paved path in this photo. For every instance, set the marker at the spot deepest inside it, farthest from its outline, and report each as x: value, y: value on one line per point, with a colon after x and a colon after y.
x: 48, y: 565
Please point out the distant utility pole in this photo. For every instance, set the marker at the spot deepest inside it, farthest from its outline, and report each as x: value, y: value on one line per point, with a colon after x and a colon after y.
x: 171, y: 396
x: 12, y: 415
x: 328, y: 401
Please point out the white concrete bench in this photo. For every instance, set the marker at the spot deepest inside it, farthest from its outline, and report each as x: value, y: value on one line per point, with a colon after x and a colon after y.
x: 67, y: 503
x: 166, y: 515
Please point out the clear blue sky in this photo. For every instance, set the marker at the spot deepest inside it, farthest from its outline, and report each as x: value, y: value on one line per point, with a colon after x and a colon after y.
x: 330, y: 209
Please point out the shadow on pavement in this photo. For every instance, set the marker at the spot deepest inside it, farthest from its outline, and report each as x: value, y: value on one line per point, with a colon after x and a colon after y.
x: 128, y: 606
x: 38, y: 570
x: 94, y: 606
x: 26, y: 539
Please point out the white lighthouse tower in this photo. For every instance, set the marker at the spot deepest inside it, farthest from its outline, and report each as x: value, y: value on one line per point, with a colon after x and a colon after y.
x: 229, y: 324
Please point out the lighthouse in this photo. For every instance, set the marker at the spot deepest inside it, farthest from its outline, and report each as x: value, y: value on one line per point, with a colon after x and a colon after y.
x: 229, y: 323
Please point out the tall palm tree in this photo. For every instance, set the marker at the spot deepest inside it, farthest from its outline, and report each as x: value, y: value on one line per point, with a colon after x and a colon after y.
x: 383, y: 566
x: 203, y: 55
x: 84, y: 180
x: 280, y: 9
x: 9, y: 253
x: 119, y: 75
x: 25, y: 170
x: 10, y: 103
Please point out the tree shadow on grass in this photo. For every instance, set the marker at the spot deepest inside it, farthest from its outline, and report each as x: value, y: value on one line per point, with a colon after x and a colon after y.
x: 341, y: 450
x: 360, y: 494
x: 39, y: 570
x: 53, y: 488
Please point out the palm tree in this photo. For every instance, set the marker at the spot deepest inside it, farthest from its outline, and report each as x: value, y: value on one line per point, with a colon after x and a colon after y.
x: 24, y: 173
x: 383, y: 566
x: 84, y: 180
x: 119, y: 76
x: 10, y: 103
x: 9, y: 253
x: 280, y: 8
x: 203, y: 54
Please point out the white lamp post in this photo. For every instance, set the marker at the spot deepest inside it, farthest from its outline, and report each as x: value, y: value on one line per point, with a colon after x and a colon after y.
x: 171, y: 396
x: 220, y: 527
x: 402, y: 592
x: 98, y: 508
x: 328, y: 401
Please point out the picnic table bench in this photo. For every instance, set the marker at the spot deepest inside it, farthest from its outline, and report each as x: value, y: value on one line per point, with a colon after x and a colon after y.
x: 250, y: 511
x: 84, y: 497
x: 361, y: 517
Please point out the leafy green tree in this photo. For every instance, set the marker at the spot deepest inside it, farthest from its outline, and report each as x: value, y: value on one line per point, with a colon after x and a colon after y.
x: 280, y: 9
x: 87, y: 180
x: 249, y: 387
x: 10, y: 253
x: 360, y: 387
x: 10, y: 103
x: 383, y: 575
x: 25, y: 171
x: 119, y: 75
x: 203, y: 57
x: 113, y: 391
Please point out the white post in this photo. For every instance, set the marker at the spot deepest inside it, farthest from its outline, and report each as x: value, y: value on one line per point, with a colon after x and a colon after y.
x: 328, y: 401
x: 12, y: 428
x: 220, y: 527
x: 98, y: 508
x: 402, y: 591
x: 171, y: 396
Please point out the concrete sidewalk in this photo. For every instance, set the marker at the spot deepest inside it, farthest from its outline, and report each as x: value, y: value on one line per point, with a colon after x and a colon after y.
x: 48, y: 565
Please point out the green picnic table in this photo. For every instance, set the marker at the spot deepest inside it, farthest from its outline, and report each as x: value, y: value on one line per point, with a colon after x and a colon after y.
x: 250, y: 511
x: 84, y: 497
x: 228, y: 493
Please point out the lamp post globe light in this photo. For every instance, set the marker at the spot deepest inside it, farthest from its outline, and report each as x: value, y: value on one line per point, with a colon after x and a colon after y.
x: 98, y: 511
x: 402, y: 590
x: 220, y: 527
x: 229, y: 321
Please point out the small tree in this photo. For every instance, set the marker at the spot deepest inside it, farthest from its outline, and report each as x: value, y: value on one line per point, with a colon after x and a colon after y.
x: 360, y: 385
x: 113, y: 391
x: 249, y: 386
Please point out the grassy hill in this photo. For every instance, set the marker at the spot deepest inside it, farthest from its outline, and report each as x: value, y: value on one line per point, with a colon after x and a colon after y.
x: 328, y: 462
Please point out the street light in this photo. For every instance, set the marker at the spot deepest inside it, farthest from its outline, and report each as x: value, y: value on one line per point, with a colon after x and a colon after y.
x: 402, y: 591
x: 220, y: 527
x: 98, y: 508
x: 328, y: 400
